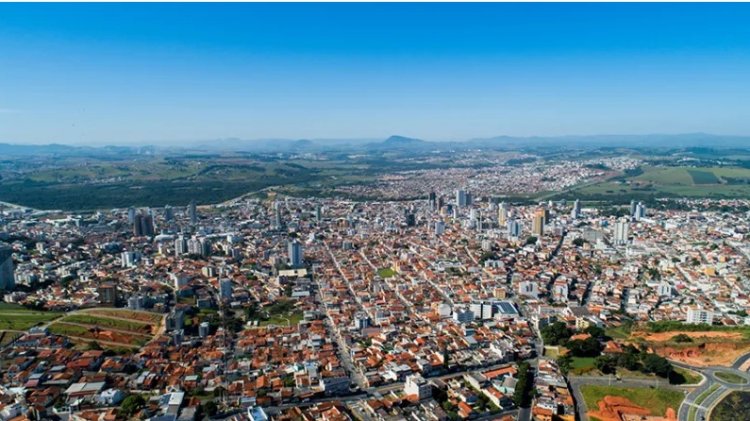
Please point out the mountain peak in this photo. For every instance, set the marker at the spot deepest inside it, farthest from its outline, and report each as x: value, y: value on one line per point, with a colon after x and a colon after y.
x: 402, y: 140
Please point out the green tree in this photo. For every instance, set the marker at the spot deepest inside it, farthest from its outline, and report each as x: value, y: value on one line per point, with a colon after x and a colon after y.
x: 606, y: 364
x: 681, y: 338
x: 556, y: 333
x: 656, y: 364
x: 210, y: 408
x: 565, y: 362
x: 521, y: 394
x: 589, y: 347
x: 132, y: 404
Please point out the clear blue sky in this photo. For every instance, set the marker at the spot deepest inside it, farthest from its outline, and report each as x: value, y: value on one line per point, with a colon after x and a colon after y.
x: 135, y: 73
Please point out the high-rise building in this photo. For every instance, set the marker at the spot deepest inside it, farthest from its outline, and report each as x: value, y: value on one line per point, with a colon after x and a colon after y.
x: 7, y: 279
x: 575, y: 213
x: 193, y: 212
x: 225, y: 288
x: 640, y: 211
x: 130, y: 258
x: 439, y: 228
x: 318, y: 212
x: 621, y: 232
x: 107, y: 294
x: 699, y: 316
x: 632, y: 207
x: 514, y: 228
x: 537, y: 226
x: 131, y: 215
x: 432, y: 201
x: 143, y: 225
x: 168, y: 213
x: 181, y: 245
x: 277, y: 222
x: 199, y: 246
x: 204, y: 329
x: 295, y: 254
x: 461, y: 199
x: 411, y: 220
x: 502, y: 214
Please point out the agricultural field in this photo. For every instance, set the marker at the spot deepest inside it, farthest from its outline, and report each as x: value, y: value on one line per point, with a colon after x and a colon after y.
x: 109, y: 327
x: 16, y: 317
x: 656, y: 181
x: 604, y: 402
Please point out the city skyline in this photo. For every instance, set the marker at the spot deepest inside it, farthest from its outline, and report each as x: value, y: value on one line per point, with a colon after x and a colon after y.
x: 166, y: 74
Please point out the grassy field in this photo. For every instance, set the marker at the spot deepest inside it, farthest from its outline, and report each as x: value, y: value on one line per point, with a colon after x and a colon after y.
x: 730, y: 377
x: 657, y: 400
x: 291, y: 319
x: 8, y: 337
x: 80, y: 333
x: 386, y: 272
x: 16, y: 317
x: 720, y: 182
x: 140, y: 316
x: 684, y: 376
x: 582, y: 365
x: 104, y: 322
x: 112, y: 328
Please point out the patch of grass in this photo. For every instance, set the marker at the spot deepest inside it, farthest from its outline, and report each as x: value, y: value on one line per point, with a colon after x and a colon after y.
x: 15, y: 317
x: 292, y: 319
x: 730, y: 377
x: 684, y: 376
x: 619, y: 332
x: 656, y: 400
x: 582, y: 365
x: 104, y: 322
x: 386, y: 272
x: 702, y: 397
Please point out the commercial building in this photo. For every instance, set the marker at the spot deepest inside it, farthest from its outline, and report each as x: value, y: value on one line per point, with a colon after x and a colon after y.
x: 7, y: 279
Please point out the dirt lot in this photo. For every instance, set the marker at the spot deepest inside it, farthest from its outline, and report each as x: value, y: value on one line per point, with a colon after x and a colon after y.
x: 615, y: 408
x: 711, y: 348
x: 666, y: 336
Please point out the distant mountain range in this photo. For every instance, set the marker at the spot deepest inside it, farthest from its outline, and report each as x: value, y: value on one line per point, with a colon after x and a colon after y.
x: 396, y: 142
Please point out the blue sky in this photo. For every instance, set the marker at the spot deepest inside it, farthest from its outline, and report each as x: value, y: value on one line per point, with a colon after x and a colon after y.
x: 149, y: 73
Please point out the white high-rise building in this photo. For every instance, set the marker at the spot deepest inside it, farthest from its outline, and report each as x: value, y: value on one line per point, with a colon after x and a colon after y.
x: 640, y: 211
x: 180, y: 245
x: 621, y: 233
x: 416, y: 385
x: 130, y: 258
x: 699, y: 316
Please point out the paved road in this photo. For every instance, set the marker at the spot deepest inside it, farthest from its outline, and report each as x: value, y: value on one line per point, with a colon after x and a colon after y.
x: 712, y: 389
